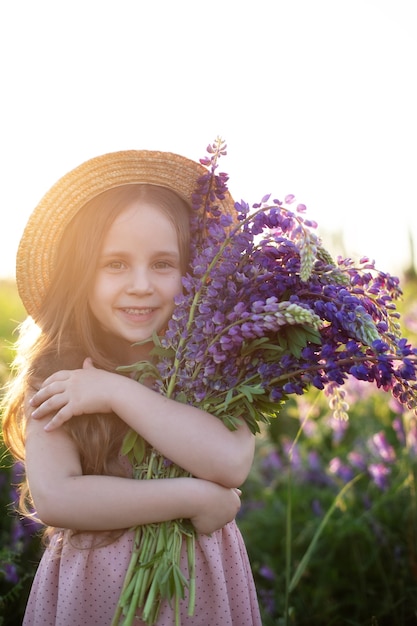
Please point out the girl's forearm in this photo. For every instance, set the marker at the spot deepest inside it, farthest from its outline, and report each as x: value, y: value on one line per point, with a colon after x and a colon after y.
x: 109, y: 502
x: 195, y: 440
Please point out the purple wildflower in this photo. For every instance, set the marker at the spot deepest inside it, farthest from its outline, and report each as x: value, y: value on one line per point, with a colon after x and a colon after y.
x: 267, y: 597
x: 293, y: 454
x: 379, y: 474
x: 267, y: 572
x: 398, y: 426
x: 382, y: 448
x: 340, y: 469
x: 267, y: 313
x: 10, y: 572
x: 339, y: 428
x: 272, y: 461
x: 412, y: 436
x: 317, y: 508
x: 358, y: 460
x: 315, y: 472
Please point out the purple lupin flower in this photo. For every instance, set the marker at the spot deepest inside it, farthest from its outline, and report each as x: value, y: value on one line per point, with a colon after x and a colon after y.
x: 380, y: 446
x: 379, y: 474
x: 340, y: 469
x: 266, y: 313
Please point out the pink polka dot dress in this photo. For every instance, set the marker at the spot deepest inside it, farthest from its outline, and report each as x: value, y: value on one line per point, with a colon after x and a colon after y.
x: 81, y: 587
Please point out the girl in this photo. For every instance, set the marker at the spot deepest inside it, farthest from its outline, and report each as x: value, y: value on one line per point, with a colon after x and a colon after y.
x: 98, y: 267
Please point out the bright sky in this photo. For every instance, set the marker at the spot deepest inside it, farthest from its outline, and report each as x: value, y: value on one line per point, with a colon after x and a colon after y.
x: 315, y: 98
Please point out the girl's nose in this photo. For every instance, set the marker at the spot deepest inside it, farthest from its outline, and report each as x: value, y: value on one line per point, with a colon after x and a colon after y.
x: 139, y: 282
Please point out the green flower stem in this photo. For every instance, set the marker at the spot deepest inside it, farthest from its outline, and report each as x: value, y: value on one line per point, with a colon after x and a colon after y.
x: 154, y: 572
x: 288, y: 545
x: 144, y: 555
x: 129, y: 578
x: 153, y: 600
x: 135, y: 586
x: 190, y: 540
x: 133, y: 602
x: 288, y: 521
x: 306, y: 558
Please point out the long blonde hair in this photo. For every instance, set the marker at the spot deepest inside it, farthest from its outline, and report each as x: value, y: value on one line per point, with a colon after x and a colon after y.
x: 66, y: 331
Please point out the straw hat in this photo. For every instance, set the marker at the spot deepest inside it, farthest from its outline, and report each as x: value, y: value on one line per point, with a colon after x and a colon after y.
x: 41, y: 237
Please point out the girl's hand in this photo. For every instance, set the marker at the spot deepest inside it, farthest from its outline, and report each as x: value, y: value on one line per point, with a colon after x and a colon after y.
x: 217, y: 506
x: 68, y: 393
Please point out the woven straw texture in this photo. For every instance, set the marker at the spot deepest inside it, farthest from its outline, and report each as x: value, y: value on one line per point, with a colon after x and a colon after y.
x: 39, y: 244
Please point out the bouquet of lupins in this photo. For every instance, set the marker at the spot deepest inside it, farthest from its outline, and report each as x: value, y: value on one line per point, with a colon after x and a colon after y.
x: 265, y: 313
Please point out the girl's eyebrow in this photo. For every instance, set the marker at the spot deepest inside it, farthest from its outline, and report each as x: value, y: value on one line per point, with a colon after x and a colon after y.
x: 170, y: 253
x: 157, y: 253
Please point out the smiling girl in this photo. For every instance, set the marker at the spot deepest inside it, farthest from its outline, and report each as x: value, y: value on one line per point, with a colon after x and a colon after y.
x: 99, y: 265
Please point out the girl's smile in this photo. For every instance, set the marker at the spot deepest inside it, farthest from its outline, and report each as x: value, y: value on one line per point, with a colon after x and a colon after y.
x: 137, y: 278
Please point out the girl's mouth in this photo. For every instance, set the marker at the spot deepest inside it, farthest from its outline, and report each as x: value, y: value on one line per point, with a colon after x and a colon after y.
x: 135, y: 311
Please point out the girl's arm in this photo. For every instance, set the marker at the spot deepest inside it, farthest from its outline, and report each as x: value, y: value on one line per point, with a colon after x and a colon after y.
x: 191, y: 438
x: 65, y: 498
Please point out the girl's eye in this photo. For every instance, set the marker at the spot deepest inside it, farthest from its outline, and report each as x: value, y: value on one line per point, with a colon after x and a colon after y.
x: 115, y: 265
x: 162, y: 265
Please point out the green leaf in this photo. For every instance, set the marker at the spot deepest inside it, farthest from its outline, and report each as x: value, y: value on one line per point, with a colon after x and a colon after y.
x: 230, y: 421
x: 282, y: 339
x: 249, y: 391
x: 140, y: 370
x: 139, y: 449
x: 298, y: 336
x: 262, y: 342
x: 229, y: 397
x: 160, y: 352
x: 312, y: 334
x: 129, y: 442
x: 181, y: 397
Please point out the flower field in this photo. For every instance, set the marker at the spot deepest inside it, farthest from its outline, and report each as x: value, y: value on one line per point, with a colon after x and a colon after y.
x: 329, y: 511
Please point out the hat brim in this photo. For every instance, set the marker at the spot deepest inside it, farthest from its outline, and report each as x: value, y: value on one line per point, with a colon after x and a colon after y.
x: 37, y: 249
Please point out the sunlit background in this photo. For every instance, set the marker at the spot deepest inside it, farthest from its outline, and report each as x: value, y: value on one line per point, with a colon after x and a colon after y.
x: 315, y: 98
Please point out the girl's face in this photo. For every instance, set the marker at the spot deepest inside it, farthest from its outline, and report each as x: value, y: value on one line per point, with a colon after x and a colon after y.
x: 137, y: 277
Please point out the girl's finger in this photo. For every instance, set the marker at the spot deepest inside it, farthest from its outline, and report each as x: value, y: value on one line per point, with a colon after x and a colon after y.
x: 52, y: 424
x: 88, y: 364
x: 57, y: 376
x: 37, y: 399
